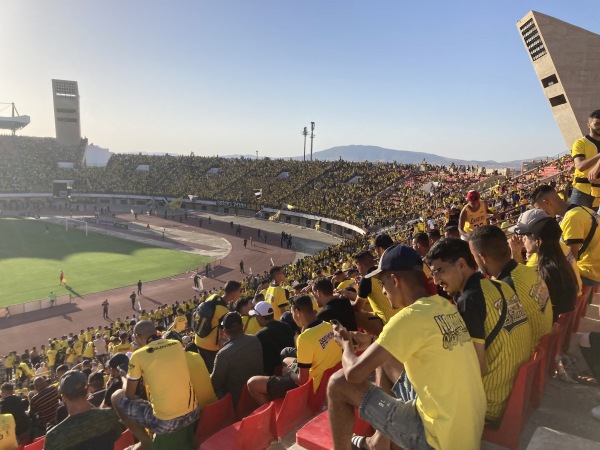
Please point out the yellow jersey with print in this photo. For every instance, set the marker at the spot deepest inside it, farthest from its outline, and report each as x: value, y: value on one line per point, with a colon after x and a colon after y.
x: 164, y: 367
x: 480, y: 305
x: 576, y: 227
x: 534, y: 295
x: 430, y: 338
x: 8, y: 432
x: 277, y: 296
x: 317, y: 350
x: 371, y: 289
x: 475, y: 219
x: 586, y: 148
x: 200, y: 378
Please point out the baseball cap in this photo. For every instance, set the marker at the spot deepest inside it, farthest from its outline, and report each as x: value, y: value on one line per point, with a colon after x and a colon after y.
x: 119, y: 361
x: 230, y: 320
x: 73, y: 383
x: 472, y: 196
x: 261, y: 309
x: 398, y: 258
x: 531, y: 221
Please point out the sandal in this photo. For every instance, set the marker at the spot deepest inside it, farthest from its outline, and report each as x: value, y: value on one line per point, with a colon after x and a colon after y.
x: 586, y: 378
x: 357, y: 442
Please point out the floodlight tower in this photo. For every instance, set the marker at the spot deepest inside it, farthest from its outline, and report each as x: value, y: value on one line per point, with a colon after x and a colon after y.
x: 305, y: 133
x: 312, y: 136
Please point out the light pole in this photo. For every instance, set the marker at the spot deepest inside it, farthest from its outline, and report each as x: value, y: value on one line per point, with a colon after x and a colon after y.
x: 305, y: 133
x: 312, y: 136
x: 256, y: 154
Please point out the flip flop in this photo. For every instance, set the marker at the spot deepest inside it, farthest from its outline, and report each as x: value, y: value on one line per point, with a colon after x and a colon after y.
x: 357, y: 442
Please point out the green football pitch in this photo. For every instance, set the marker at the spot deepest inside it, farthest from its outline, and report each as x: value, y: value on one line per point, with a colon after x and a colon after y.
x: 31, y: 260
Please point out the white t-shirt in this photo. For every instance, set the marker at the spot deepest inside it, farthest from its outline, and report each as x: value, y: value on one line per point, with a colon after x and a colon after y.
x: 100, y: 345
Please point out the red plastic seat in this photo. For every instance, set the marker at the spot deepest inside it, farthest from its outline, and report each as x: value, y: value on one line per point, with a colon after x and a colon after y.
x: 255, y: 432
x: 539, y: 379
x: 316, y: 434
x: 246, y: 404
x: 294, y: 409
x: 515, y: 415
x: 38, y: 444
x: 214, y: 418
x: 124, y: 441
x: 320, y: 396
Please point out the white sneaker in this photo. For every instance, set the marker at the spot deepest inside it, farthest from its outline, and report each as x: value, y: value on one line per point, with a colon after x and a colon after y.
x: 596, y: 412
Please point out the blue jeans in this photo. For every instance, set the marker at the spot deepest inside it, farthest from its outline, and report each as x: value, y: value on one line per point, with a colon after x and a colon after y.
x: 581, y: 199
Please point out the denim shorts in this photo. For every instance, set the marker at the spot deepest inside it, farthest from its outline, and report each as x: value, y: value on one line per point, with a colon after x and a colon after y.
x: 141, y: 411
x: 397, y: 418
x: 580, y: 198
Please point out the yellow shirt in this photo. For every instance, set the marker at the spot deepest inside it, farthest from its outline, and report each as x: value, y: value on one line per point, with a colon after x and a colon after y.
x: 70, y: 355
x: 89, y: 350
x: 251, y: 325
x: 317, y: 350
x: 9, y: 361
x: 51, y: 355
x: 277, y: 296
x: 431, y: 339
x: 533, y: 262
x: 78, y: 348
x: 576, y: 226
x: 203, y: 388
x: 377, y: 300
x: 345, y: 284
x: 475, y: 219
x: 586, y: 149
x: 166, y: 377
x: 8, y: 430
x: 122, y: 348
x: 180, y: 323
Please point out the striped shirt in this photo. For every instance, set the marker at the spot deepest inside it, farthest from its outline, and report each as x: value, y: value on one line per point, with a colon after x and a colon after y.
x: 44, y: 404
x: 480, y: 305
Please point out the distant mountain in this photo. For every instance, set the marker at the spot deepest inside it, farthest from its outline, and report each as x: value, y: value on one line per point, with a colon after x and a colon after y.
x: 359, y: 153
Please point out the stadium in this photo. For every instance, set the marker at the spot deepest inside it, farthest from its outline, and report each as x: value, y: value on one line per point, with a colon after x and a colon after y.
x: 96, y: 243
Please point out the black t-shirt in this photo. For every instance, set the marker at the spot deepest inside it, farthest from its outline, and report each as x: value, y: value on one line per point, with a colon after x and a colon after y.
x: 17, y: 406
x: 274, y: 337
x: 340, y: 309
x: 365, y: 285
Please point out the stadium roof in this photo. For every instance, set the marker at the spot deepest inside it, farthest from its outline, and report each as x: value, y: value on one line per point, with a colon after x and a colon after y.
x: 14, y: 123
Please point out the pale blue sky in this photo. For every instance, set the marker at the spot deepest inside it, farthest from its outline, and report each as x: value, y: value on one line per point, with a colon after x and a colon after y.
x: 224, y: 77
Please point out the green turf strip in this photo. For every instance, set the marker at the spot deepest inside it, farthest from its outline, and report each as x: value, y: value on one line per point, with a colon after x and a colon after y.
x: 31, y: 260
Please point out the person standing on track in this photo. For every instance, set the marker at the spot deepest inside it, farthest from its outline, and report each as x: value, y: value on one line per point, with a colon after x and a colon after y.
x: 139, y: 286
x: 61, y: 277
x: 132, y: 297
x: 105, y: 309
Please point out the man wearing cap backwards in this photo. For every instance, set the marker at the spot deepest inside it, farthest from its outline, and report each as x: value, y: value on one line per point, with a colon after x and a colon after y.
x: 473, y: 214
x: 501, y: 345
x: 86, y: 427
x: 274, y: 336
x: 490, y: 249
x: 240, y: 358
x: 427, y: 336
x: 162, y: 364
x: 579, y: 231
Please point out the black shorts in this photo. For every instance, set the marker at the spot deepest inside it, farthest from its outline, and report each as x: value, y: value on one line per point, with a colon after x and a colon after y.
x: 278, y: 386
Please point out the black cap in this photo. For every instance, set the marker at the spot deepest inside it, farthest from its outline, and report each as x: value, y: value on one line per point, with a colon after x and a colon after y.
x: 119, y: 361
x: 398, y: 258
x: 230, y: 320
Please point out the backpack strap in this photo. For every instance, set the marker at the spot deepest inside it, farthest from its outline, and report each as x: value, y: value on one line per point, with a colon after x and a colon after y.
x: 490, y: 337
x: 590, y: 236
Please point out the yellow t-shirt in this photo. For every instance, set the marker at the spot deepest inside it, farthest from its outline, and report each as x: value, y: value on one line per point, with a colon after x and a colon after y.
x: 78, y: 348
x: 534, y: 295
x: 51, y: 355
x: 8, y: 432
x: 345, y: 284
x: 166, y: 377
x: 9, y: 361
x: 586, y: 149
x: 377, y: 300
x: 251, y: 325
x: 277, y: 296
x: 180, y: 323
x: 24, y: 369
x: 317, y: 350
x: 203, y: 388
x: 122, y: 348
x: 431, y: 339
x: 576, y: 226
x: 70, y: 355
x: 89, y: 350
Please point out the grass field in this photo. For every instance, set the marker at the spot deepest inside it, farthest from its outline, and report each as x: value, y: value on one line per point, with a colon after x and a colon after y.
x: 31, y: 260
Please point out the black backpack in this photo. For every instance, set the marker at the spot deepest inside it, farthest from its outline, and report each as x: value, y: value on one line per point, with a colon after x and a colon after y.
x: 204, y: 316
